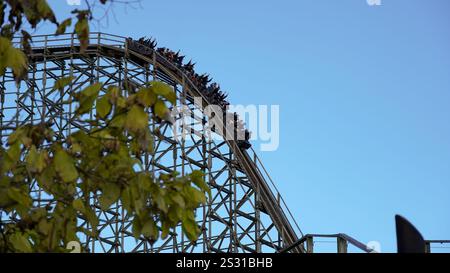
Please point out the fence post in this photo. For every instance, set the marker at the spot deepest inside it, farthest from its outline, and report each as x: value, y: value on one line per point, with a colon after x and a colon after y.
x: 341, y: 245
x: 310, y: 244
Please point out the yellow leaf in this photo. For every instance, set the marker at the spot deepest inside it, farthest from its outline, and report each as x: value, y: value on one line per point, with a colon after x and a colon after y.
x: 13, y: 152
x: 87, y: 98
x: 45, y: 11
x: 110, y: 195
x: 103, y: 107
x: 11, y: 57
x: 82, y: 31
x: 78, y: 205
x: 20, y: 242
x: 161, y: 109
x: 149, y: 229
x: 164, y: 90
x: 136, y: 228
x: 146, y: 97
x: 62, y: 27
x: 118, y: 121
x: 64, y: 166
x: 36, y: 161
x: 136, y: 119
x: 62, y: 82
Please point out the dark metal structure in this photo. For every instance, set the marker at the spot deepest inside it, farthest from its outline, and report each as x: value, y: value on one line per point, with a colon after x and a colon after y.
x: 342, y: 241
x: 246, y: 212
x: 409, y: 239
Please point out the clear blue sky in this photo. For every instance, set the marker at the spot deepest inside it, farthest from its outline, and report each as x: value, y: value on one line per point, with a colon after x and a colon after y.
x: 364, y: 95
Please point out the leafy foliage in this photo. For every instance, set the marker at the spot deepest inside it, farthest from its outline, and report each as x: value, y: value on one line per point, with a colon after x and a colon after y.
x: 12, y: 15
x: 105, y: 161
x: 12, y: 58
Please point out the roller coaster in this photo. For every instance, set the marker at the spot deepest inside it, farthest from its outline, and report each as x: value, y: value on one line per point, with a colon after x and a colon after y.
x: 246, y: 213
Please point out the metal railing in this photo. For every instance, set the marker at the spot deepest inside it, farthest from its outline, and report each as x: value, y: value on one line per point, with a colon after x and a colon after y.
x: 70, y: 39
x: 434, y: 246
x: 343, y: 241
x: 281, y: 202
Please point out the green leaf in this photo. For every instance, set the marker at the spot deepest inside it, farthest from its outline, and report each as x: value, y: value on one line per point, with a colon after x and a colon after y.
x: 160, y: 202
x: 17, y: 135
x: 110, y: 195
x: 165, y: 229
x: 14, y: 152
x: 103, y: 107
x: 175, y: 214
x: 197, y: 179
x: 113, y: 93
x: 149, y: 229
x: 87, y: 98
x: 63, y: 26
x: 20, y: 242
x: 36, y: 161
x: 136, y: 119
x: 45, y: 11
x: 91, y: 217
x: 26, y: 41
x: 164, y: 90
x: 126, y: 198
x: 44, y: 227
x: 137, y: 227
x: 19, y: 196
x: 31, y: 159
x: 18, y: 61
x: 121, y: 103
x: 62, y: 82
x: 5, y: 45
x: 78, y: 205
x: 146, y: 96
x: 92, y: 90
x: 11, y: 57
x: 118, y: 121
x: 189, y: 225
x: 191, y: 229
x: 38, y: 213
x: 196, y: 195
x: 46, y: 178
x: 161, y: 109
x: 82, y: 31
x: 64, y: 166
x: 178, y: 199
